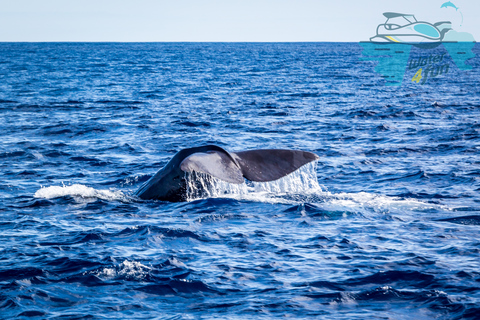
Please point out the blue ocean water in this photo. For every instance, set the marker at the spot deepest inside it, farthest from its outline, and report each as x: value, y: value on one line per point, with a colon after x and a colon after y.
x: 384, y: 226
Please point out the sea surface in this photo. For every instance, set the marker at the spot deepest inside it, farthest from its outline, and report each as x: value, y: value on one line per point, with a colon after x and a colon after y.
x: 386, y: 225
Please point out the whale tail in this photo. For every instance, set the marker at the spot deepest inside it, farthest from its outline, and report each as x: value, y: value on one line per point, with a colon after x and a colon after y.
x: 271, y: 164
x: 255, y: 165
x: 264, y: 165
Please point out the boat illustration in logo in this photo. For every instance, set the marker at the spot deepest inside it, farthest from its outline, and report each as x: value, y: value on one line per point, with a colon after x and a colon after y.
x: 404, y: 28
x: 405, y: 48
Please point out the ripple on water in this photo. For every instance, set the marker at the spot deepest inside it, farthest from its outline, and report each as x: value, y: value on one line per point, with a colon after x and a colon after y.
x: 384, y: 225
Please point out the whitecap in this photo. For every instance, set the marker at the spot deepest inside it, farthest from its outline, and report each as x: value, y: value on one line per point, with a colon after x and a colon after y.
x: 127, y: 269
x: 78, y: 190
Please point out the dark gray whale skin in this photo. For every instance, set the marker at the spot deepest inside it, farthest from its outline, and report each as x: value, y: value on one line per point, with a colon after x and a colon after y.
x: 169, y: 183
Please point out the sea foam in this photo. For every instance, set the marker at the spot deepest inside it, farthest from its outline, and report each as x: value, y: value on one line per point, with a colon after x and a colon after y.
x: 77, y: 190
x: 301, y: 186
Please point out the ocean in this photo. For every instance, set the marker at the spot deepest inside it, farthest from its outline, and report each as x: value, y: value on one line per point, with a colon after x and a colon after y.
x: 384, y: 226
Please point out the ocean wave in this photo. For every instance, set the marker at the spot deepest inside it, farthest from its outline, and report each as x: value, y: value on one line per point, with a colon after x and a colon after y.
x: 370, y: 203
x: 473, y: 220
x: 385, y: 227
x: 127, y: 270
x: 79, y: 191
x: 299, y: 189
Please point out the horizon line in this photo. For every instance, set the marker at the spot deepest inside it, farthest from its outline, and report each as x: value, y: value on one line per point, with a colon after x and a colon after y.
x: 113, y: 41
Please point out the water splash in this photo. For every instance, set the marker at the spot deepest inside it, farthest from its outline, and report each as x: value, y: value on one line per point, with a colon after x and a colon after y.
x: 301, y: 187
x: 78, y: 191
x: 130, y: 270
x: 301, y: 181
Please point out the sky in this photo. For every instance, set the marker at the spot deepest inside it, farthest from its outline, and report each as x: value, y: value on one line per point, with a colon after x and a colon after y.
x: 216, y: 20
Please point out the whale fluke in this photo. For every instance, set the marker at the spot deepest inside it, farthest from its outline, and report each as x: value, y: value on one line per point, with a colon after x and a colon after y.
x: 271, y: 164
x: 255, y: 165
x: 214, y: 163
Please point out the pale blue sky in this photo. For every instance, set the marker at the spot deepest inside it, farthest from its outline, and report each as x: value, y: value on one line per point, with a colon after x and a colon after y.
x: 215, y: 20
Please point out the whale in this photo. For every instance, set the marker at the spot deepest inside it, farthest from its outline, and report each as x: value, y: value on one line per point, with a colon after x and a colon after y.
x: 261, y: 165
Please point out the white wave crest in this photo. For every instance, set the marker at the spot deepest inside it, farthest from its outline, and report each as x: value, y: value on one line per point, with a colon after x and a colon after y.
x: 365, y: 203
x: 78, y: 191
x: 127, y: 269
